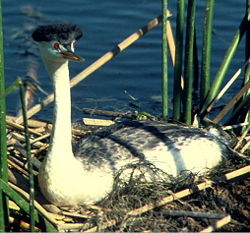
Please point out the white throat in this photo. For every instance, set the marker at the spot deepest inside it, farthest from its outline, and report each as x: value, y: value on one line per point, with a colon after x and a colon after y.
x: 60, y: 145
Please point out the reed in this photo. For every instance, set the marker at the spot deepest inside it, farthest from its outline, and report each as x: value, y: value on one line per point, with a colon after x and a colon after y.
x: 23, y: 204
x: 196, y: 73
x: 225, y: 63
x: 179, y: 34
x: 4, y: 211
x: 227, y: 86
x: 30, y: 166
x: 206, y: 51
x: 164, y: 60
x: 247, y: 55
x: 10, y: 89
x: 189, y: 61
x: 184, y: 96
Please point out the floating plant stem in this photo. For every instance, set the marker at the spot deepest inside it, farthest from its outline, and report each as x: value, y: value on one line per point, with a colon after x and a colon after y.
x: 164, y: 60
x: 178, y: 59
x: 4, y: 211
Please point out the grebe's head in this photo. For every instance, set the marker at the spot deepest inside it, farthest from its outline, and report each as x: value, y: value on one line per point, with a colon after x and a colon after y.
x: 57, y: 42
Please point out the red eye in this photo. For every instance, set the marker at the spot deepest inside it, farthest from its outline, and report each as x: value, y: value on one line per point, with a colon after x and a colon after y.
x: 74, y: 45
x: 57, y: 45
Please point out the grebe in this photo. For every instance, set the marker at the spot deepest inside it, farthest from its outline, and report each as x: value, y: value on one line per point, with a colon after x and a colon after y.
x: 87, y: 176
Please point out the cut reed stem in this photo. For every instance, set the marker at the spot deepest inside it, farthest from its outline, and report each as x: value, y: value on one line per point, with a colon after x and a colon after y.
x: 218, y: 224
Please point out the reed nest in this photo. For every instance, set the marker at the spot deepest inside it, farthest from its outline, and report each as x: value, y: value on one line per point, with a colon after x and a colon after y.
x: 219, y: 200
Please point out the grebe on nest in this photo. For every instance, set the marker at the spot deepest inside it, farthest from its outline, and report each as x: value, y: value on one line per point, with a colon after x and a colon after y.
x: 85, y: 177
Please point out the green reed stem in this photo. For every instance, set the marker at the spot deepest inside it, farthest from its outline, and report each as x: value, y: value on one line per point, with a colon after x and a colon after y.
x: 30, y: 166
x: 10, y: 89
x: 178, y: 59
x: 247, y: 80
x: 189, y: 61
x: 164, y: 60
x: 23, y: 204
x: 4, y: 210
x: 214, y: 89
x: 247, y: 54
x: 206, y: 52
x: 196, y: 73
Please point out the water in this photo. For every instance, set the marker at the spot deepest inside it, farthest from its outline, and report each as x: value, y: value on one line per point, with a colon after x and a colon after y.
x: 136, y: 71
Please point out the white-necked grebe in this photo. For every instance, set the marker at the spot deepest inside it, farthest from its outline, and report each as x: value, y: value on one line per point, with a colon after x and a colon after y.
x: 85, y: 177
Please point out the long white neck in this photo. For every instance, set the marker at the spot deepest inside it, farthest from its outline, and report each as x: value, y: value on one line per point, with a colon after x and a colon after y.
x: 60, y: 145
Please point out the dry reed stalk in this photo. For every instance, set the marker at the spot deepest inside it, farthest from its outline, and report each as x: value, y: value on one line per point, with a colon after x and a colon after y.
x: 242, y: 138
x: 21, y: 138
x: 171, y: 41
x: 13, y: 205
x: 228, y: 84
x: 31, y: 123
x: 18, y: 167
x: 218, y: 224
x: 85, y: 216
x: 41, y: 210
x: 173, y: 197
x: 231, y: 104
x: 20, y: 127
x: 97, y: 122
x: 41, y: 138
x: 45, y: 147
x: 172, y: 47
x: 17, y: 158
x: 245, y: 147
x: 22, y: 224
x: 98, y: 63
x: 227, y: 127
x: 51, y: 217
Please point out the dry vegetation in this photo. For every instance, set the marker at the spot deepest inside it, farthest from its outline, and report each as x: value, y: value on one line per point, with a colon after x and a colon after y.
x: 186, y: 203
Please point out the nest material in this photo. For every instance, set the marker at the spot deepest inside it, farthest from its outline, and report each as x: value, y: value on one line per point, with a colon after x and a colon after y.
x: 184, y: 203
x: 136, y: 205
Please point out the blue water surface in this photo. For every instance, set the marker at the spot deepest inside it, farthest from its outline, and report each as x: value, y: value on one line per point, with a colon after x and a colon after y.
x: 135, y: 72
